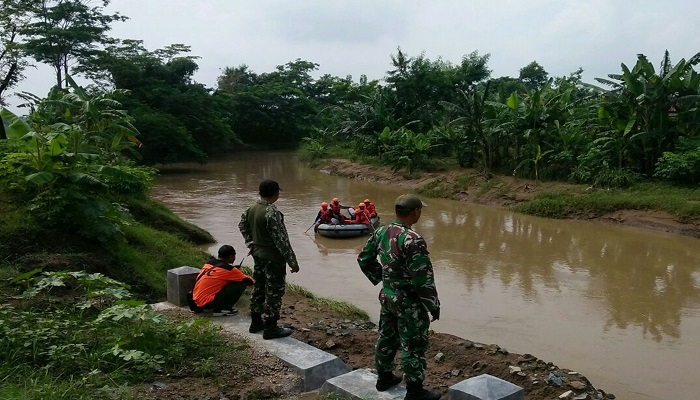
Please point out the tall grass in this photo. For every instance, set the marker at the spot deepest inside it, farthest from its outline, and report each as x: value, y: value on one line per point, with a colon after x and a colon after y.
x: 344, y: 309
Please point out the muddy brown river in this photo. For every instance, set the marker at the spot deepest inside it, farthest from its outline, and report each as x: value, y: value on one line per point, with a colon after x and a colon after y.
x: 619, y: 305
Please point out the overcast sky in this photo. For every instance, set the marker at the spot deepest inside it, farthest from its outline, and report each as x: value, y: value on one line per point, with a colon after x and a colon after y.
x: 358, y: 37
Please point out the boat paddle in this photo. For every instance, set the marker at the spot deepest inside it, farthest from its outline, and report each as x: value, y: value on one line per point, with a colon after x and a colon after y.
x: 370, y: 221
x: 307, y: 229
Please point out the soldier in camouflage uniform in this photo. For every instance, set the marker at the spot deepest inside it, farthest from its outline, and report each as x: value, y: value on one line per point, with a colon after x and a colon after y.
x: 262, y: 227
x: 397, y: 256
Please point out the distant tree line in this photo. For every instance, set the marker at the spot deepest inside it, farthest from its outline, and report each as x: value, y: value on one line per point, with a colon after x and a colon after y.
x: 641, y: 123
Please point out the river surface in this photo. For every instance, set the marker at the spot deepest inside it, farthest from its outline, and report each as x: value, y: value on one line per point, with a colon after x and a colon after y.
x: 619, y: 305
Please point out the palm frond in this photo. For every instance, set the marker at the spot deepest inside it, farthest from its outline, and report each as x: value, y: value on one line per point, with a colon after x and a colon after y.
x: 610, y: 83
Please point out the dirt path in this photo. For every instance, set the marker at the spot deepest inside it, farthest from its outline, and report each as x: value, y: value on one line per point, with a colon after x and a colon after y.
x: 253, y: 373
x: 503, y: 191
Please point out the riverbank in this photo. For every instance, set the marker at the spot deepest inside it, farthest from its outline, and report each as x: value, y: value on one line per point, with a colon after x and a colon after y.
x: 642, y: 207
x: 340, y: 329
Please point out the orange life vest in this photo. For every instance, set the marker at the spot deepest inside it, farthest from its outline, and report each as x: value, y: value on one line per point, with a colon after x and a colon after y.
x: 325, y: 215
x: 335, y: 207
x: 371, y: 211
x: 361, y: 216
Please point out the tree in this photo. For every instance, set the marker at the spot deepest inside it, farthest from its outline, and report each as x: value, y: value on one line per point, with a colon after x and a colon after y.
x: 65, y: 33
x: 275, y: 109
x: 179, y: 119
x: 13, y: 14
x: 533, y: 75
x: 420, y: 84
x: 648, y: 111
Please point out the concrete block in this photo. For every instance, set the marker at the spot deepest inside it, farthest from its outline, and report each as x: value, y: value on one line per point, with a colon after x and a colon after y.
x: 314, y: 366
x: 180, y: 281
x: 485, y: 387
x: 359, y: 385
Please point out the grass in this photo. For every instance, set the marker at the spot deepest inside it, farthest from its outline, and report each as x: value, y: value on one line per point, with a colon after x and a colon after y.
x: 54, y: 346
x: 145, y: 255
x: 436, y: 189
x: 440, y: 188
x: 141, y: 257
x: 464, y: 181
x: 684, y: 203
x: 489, y: 185
x: 344, y: 309
x: 158, y: 216
x: 18, y: 230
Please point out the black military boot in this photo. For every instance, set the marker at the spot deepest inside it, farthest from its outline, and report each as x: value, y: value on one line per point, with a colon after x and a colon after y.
x: 272, y: 331
x: 256, y: 324
x: 386, y: 380
x: 415, y: 391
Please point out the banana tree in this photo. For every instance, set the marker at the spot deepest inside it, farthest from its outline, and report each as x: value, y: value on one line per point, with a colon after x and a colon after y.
x: 530, y: 120
x: 468, y: 118
x: 69, y: 167
x: 535, y: 160
x: 404, y: 148
x: 646, y: 108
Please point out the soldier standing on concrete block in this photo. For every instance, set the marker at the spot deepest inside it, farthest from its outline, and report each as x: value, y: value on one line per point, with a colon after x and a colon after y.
x: 262, y: 227
x: 397, y: 256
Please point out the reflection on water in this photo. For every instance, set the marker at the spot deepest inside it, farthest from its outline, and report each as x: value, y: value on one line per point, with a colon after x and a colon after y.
x: 637, y: 281
x: 620, y: 305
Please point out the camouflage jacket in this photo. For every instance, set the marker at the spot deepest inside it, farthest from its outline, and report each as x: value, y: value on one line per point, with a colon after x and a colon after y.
x: 262, y: 225
x: 397, y: 256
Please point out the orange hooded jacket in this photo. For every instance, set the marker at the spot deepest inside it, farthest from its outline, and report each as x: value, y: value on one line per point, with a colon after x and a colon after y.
x: 214, y: 275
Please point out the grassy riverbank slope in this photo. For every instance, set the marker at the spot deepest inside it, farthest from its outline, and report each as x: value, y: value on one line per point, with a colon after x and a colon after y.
x: 654, y: 206
x: 153, y: 242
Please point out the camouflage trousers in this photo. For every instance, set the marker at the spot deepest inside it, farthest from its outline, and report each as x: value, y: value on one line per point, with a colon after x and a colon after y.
x: 268, y: 291
x: 405, y: 326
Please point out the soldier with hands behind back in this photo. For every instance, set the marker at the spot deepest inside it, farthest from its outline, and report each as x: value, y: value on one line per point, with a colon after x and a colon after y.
x: 262, y: 227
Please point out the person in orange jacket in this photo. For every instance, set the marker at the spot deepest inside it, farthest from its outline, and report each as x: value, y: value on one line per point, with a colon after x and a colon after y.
x: 369, y: 207
x: 219, y: 284
x: 336, y: 207
x: 361, y: 216
x: 325, y: 214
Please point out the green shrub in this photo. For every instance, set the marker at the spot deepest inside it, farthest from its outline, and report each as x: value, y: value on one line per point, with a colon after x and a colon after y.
x: 681, y: 167
x: 126, y: 179
x: 75, y: 331
x: 312, y: 150
x: 549, y: 207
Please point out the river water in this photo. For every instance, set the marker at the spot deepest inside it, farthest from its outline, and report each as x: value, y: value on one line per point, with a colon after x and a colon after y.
x: 619, y: 305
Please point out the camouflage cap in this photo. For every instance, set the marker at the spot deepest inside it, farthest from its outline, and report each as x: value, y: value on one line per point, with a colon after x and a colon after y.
x: 409, y: 202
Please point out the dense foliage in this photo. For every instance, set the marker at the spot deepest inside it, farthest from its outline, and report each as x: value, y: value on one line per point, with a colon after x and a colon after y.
x: 640, y: 124
x: 71, y: 162
x: 646, y: 125
x: 79, y: 335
